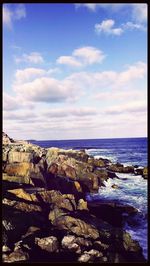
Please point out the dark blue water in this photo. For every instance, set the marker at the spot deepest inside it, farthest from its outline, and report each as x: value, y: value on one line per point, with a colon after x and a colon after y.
x: 124, y: 150
x: 133, y: 189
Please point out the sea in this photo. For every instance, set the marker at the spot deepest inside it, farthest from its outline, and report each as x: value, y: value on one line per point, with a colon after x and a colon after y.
x: 133, y: 190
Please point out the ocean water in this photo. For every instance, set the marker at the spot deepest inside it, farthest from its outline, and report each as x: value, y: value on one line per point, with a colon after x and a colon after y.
x: 132, y: 189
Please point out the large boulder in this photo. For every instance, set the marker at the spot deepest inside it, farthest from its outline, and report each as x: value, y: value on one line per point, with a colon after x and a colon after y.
x: 49, y: 243
x: 120, y: 168
x: 7, y: 139
x: 76, y: 226
x: 30, y: 171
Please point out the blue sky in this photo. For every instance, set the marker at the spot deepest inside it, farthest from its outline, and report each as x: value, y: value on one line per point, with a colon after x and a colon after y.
x: 74, y: 71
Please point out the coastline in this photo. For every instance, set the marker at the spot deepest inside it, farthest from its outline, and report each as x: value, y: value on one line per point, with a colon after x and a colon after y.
x: 65, y: 224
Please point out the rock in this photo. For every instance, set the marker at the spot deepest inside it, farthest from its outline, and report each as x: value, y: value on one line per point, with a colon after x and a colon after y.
x: 102, y: 175
x: 120, y: 168
x: 145, y: 173
x: 128, y: 169
x: 138, y: 171
x: 89, y: 182
x: 83, y: 242
x: 53, y: 169
x: 110, y: 212
x: 22, y: 206
x: 55, y: 213
x: 66, y: 201
x: 76, y: 226
x: 16, y: 256
x: 19, y: 157
x: 112, y: 174
x: 29, y: 171
x: 130, y: 244
x: 5, y: 249
x: 89, y: 256
x: 78, y: 186
x: 100, y: 246
x: 115, y: 186
x: 99, y: 163
x: 17, y: 179
x: 69, y: 171
x: 49, y: 243
x: 84, y: 258
x: 68, y: 242
x: 82, y: 205
x: 31, y: 231
x: 22, y: 194
x: 7, y: 139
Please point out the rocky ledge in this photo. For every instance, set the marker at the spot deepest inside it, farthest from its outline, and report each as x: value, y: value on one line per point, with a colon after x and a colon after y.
x: 45, y: 213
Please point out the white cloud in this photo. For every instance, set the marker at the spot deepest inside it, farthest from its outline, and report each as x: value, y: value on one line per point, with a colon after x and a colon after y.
x: 7, y: 17
x: 34, y: 57
x: 133, y: 26
x: 93, y: 6
x: 90, y: 6
x: 136, y: 71
x: 27, y: 74
x: 23, y: 116
x: 89, y: 55
x: 131, y: 107
x: 109, y: 79
x: 46, y: 89
x: 68, y: 60
x: 36, y: 85
x: 139, y: 12
x: 10, y: 15
x: 9, y: 102
x: 82, y: 57
x: 107, y: 26
x: 121, y: 96
x: 76, y: 111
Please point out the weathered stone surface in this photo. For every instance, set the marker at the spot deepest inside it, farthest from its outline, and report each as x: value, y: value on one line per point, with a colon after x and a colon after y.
x: 7, y: 139
x: 28, y: 170
x: 130, y: 244
x: 16, y: 256
x: 22, y: 206
x: 69, y: 242
x: 19, y: 157
x: 49, y: 243
x: 17, y: 179
x: 82, y: 205
x: 100, y: 246
x: 77, y: 226
x: 22, y: 194
x: 120, y: 168
x: 5, y: 249
x: 90, y: 256
x: 138, y: 171
x: 145, y: 172
x: 38, y: 219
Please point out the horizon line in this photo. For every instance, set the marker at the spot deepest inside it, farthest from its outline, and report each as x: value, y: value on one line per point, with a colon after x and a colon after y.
x: 85, y: 139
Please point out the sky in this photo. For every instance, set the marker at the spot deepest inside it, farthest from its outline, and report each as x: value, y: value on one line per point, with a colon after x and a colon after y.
x: 74, y: 71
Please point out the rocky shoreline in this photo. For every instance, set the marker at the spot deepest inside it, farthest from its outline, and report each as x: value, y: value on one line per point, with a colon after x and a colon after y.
x: 46, y: 217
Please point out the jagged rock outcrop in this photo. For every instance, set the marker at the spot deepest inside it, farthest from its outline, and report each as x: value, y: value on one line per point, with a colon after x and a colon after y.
x: 46, y: 217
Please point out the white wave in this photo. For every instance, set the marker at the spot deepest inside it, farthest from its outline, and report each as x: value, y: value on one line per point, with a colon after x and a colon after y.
x: 132, y: 191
